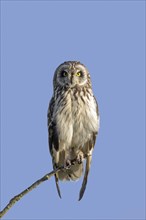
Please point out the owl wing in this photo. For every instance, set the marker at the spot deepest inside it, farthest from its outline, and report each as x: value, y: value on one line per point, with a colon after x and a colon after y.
x: 53, y: 138
x: 89, y: 146
x: 95, y: 133
x: 52, y: 131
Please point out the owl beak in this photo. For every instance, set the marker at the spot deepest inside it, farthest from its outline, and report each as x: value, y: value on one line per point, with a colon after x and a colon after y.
x: 72, y: 81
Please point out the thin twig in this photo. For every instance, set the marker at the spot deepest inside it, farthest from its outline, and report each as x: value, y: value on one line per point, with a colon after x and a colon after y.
x: 35, y: 184
x: 24, y: 192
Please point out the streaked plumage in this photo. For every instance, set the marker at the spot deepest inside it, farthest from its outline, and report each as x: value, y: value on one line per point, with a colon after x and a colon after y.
x: 73, y: 122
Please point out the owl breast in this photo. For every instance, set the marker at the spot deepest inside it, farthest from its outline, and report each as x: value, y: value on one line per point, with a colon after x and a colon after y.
x: 76, y: 119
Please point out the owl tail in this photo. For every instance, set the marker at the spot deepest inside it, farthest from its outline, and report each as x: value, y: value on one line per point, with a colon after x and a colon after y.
x: 72, y: 173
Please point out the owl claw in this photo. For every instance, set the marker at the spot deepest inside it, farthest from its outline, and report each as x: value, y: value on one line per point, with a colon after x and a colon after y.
x: 80, y: 157
x: 67, y: 164
x: 73, y: 162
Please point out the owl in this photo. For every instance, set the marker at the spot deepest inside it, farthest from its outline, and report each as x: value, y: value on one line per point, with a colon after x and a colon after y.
x: 73, y: 123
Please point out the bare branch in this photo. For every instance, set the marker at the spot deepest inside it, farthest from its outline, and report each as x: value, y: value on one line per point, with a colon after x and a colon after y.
x: 24, y: 192
x: 34, y: 185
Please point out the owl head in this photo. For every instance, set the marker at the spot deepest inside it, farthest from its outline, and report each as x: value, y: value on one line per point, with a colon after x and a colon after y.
x: 71, y: 74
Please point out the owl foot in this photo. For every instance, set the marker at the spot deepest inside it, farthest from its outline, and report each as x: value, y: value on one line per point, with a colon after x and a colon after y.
x: 80, y: 157
x: 67, y: 164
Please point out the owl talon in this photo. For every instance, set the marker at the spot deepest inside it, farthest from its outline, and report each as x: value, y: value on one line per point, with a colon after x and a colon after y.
x: 73, y: 162
x: 67, y: 164
x: 80, y: 157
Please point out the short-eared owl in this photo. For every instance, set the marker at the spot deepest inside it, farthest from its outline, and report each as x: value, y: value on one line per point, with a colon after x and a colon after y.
x: 73, y: 122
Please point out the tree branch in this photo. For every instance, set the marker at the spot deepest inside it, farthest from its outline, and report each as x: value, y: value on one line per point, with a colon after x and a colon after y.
x: 24, y: 192
x: 35, y: 184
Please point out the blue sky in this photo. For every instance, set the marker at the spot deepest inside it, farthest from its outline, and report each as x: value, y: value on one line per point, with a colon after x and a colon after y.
x: 109, y: 38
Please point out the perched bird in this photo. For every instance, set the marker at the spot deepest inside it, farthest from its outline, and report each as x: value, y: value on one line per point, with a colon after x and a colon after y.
x: 73, y: 122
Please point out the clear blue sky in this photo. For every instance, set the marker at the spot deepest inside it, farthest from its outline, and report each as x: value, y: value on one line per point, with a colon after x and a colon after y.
x: 108, y: 37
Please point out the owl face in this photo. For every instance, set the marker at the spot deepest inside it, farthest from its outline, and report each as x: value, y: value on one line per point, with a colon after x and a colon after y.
x: 71, y: 74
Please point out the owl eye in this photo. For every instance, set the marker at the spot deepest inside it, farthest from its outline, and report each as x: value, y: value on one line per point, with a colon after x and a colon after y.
x: 78, y: 73
x: 64, y: 73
